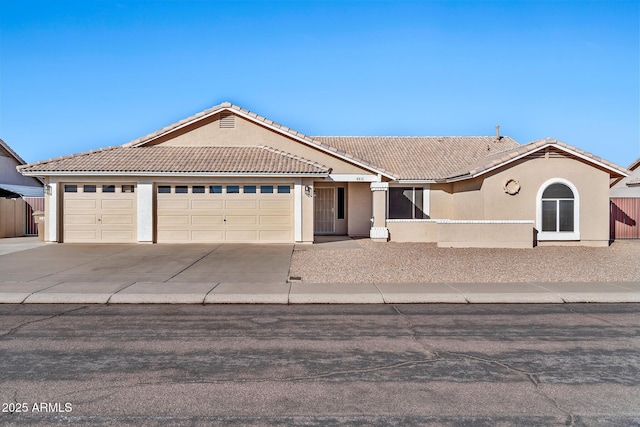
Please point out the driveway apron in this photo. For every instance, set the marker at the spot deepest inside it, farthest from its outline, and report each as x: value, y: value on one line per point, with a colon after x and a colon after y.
x: 187, y: 263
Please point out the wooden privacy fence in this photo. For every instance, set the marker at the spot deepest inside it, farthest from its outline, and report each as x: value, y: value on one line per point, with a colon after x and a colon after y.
x: 625, y: 218
x: 33, y: 204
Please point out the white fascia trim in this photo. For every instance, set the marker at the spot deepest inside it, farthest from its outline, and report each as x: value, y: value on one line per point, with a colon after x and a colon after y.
x: 467, y: 221
x: 414, y: 182
x: 485, y: 221
x: 566, y: 150
x: 182, y: 174
x: 349, y: 177
x: 379, y: 186
x: 273, y: 128
x: 411, y: 220
x: 547, y: 236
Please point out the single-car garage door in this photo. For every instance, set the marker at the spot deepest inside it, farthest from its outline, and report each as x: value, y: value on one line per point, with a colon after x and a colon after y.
x: 224, y: 213
x: 99, y: 213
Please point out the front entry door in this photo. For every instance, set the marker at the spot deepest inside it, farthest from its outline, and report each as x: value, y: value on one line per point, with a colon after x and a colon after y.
x: 324, y: 210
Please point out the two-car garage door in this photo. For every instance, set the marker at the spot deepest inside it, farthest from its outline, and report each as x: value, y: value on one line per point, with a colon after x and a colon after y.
x: 224, y: 213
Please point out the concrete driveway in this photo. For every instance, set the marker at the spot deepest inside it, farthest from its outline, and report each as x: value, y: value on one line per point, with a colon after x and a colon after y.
x: 188, y: 263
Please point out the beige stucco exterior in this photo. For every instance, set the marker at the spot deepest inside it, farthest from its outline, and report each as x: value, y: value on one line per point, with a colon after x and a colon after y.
x: 359, y: 209
x: 477, y: 210
x: 484, y: 199
x: 207, y: 133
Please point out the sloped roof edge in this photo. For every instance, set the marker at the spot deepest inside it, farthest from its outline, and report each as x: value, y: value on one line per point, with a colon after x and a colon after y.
x: 505, y: 157
x: 263, y: 121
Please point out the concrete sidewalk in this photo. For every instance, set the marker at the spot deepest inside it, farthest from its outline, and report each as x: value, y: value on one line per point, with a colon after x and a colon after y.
x: 53, y: 292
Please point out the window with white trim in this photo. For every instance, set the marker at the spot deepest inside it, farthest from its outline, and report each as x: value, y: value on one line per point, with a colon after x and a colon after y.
x: 557, y: 208
x: 558, y: 211
x: 406, y: 203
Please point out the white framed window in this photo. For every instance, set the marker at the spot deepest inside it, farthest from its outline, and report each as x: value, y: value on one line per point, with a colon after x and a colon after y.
x: 407, y: 203
x: 558, y: 211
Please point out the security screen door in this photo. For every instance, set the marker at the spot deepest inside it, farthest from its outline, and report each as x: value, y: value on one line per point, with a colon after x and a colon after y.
x: 324, y: 210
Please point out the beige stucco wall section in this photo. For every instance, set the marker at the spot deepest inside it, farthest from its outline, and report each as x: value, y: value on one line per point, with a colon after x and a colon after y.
x: 207, y: 133
x: 492, y: 203
x: 413, y: 231
x: 359, y: 209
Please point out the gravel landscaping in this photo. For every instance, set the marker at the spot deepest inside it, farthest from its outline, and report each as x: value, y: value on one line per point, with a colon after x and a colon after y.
x: 364, y: 261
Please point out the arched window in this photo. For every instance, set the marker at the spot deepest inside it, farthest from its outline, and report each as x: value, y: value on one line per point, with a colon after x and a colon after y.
x: 558, y: 211
x: 557, y: 208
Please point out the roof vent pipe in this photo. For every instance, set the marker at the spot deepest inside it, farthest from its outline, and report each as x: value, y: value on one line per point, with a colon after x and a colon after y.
x: 498, y: 137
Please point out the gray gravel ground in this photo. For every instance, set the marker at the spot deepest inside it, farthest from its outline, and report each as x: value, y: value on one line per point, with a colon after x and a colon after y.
x: 364, y: 261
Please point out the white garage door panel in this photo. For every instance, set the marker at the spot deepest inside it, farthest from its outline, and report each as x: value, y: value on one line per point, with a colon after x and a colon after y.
x: 81, y: 235
x: 108, y: 219
x: 79, y: 204
x: 172, y: 204
x: 276, y: 204
x: 80, y: 219
x: 207, y: 204
x: 275, y: 219
x: 222, y: 217
x: 117, y: 236
x: 97, y: 217
x: 207, y: 236
x: 206, y: 220
x: 117, y: 204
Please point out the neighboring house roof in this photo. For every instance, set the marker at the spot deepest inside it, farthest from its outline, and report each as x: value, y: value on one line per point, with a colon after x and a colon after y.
x: 4, y: 146
x: 23, y: 190
x: 420, y: 157
x: 632, y: 167
x: 9, y: 176
x: 503, y: 158
x: 174, y: 160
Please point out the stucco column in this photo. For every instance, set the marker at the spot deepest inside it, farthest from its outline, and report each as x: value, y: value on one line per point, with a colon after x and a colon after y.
x: 379, y: 231
x: 145, y: 211
x: 306, y: 207
x: 297, y: 210
x: 51, y: 212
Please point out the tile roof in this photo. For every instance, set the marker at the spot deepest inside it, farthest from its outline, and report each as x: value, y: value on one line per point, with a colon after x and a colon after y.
x: 420, y: 157
x: 311, y: 141
x: 498, y: 159
x: 211, y: 111
x: 161, y: 159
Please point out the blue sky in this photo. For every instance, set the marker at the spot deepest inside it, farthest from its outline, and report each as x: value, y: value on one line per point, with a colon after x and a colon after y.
x: 76, y: 76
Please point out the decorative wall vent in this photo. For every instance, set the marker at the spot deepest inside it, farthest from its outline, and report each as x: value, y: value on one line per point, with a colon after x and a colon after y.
x: 227, y: 120
x: 511, y: 187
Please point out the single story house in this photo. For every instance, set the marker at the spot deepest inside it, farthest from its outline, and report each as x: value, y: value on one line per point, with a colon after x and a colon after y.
x: 227, y: 174
x: 20, y: 196
x: 625, y: 204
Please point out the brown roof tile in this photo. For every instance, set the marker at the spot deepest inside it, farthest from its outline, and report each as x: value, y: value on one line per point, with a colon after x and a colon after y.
x: 419, y: 157
x: 500, y: 158
x: 162, y: 159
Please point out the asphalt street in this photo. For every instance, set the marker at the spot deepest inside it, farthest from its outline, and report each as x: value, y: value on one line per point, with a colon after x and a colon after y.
x: 320, y: 365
